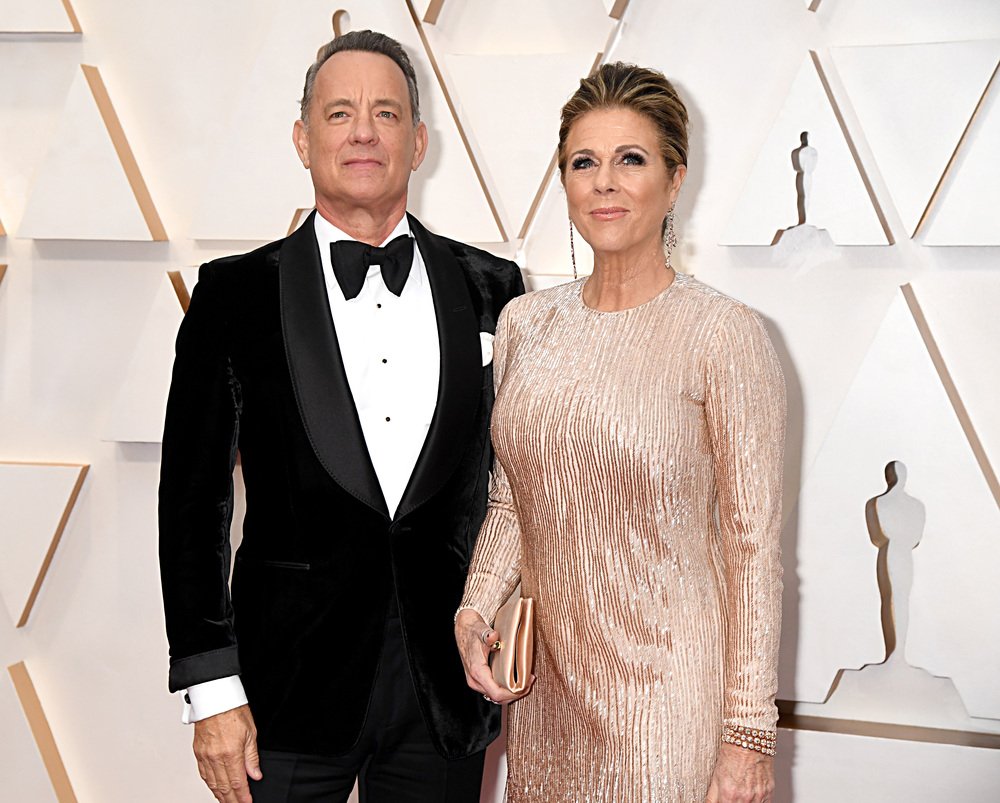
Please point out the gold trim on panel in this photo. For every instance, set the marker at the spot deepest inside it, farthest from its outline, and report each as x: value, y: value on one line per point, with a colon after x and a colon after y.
x: 300, y: 213
x: 958, y: 148
x: 42, y: 733
x: 338, y: 23
x: 458, y: 123
x: 3, y: 270
x: 814, y: 5
x: 183, y: 296
x: 850, y: 144
x: 883, y: 730
x: 57, y: 535
x: 72, y: 16
x: 3, y: 231
x: 952, y: 390
x: 125, y: 156
x: 618, y: 9
x: 433, y: 12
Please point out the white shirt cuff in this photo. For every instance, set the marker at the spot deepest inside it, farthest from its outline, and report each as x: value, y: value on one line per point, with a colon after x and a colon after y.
x: 204, y: 700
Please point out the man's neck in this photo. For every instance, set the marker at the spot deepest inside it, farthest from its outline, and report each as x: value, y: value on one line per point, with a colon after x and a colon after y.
x: 365, y: 225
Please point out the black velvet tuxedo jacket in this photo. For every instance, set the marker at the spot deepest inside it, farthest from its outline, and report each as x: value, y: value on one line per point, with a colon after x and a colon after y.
x: 258, y: 369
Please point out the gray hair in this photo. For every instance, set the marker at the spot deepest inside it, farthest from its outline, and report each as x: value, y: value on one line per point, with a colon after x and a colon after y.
x: 365, y: 42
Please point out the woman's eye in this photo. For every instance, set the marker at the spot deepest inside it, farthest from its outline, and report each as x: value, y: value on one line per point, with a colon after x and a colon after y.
x: 582, y: 162
x: 633, y: 159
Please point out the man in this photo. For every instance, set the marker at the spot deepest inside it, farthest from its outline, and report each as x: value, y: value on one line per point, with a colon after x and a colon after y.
x: 355, y: 383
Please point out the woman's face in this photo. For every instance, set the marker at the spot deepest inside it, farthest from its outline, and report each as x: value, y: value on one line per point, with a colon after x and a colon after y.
x: 617, y: 184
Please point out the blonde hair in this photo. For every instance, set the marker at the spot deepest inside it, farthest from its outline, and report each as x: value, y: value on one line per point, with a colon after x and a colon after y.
x: 640, y: 89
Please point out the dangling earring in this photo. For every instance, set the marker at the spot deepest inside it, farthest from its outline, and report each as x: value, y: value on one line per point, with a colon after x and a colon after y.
x: 669, y: 235
x: 572, y: 249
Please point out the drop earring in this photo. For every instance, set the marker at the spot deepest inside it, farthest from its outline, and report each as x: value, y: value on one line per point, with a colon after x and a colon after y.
x: 572, y: 249
x: 669, y: 236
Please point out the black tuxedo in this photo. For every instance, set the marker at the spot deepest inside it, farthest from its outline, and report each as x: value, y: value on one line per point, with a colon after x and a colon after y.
x: 258, y: 369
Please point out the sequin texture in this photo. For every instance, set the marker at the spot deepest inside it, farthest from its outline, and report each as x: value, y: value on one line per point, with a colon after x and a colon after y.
x: 636, y: 495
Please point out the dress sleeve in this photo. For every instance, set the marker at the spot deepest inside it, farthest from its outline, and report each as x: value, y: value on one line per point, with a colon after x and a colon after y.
x: 496, y: 561
x: 745, y: 410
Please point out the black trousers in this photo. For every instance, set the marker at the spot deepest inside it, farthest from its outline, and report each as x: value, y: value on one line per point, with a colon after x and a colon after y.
x: 394, y: 760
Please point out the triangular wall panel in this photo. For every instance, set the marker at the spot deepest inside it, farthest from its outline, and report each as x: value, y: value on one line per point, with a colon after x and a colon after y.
x: 258, y: 180
x: 896, y: 409
x: 36, y: 500
x: 547, y: 255
x: 138, y: 411
x: 514, y: 156
x: 966, y: 209
x: 88, y: 187
x: 838, y: 200
x: 38, y: 16
x: 913, y: 103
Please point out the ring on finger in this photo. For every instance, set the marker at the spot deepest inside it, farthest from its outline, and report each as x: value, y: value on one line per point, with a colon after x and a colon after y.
x: 484, y: 634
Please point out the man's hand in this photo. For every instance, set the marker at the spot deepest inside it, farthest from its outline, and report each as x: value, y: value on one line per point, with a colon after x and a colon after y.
x: 226, y: 748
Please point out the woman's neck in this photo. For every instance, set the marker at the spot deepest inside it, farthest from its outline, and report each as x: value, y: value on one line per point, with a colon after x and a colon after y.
x: 623, y: 280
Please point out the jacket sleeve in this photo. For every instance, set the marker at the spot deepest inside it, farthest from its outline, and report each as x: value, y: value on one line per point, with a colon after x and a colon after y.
x: 196, y: 493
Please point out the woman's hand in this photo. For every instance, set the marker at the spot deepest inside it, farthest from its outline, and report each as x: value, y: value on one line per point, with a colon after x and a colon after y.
x: 475, y: 639
x: 741, y: 776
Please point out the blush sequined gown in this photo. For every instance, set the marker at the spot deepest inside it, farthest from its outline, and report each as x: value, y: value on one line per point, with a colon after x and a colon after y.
x: 616, y: 433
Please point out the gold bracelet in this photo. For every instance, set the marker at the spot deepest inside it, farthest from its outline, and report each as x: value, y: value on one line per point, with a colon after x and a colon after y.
x: 760, y: 740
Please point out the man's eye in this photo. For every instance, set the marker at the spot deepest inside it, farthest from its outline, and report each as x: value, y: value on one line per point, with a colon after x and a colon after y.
x: 633, y: 159
x: 582, y: 163
x: 386, y: 115
x: 337, y: 115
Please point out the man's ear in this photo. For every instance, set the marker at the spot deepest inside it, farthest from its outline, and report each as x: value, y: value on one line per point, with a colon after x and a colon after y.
x: 300, y: 139
x: 420, y: 149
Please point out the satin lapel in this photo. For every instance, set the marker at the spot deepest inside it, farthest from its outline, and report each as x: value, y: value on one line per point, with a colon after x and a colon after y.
x: 317, y: 369
x: 461, y: 379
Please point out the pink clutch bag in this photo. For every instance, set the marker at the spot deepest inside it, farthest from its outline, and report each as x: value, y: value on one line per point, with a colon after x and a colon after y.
x: 514, y: 651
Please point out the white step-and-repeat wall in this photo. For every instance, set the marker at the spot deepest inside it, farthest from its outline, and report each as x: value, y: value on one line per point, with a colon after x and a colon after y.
x: 844, y: 180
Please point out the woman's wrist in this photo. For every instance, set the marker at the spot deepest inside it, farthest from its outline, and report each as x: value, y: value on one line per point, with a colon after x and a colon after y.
x: 763, y: 741
x: 472, y: 608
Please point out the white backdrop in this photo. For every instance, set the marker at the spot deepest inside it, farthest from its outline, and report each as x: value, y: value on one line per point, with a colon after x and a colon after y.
x: 901, y: 100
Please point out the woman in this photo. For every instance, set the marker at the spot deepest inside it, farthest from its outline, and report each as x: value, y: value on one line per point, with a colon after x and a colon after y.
x: 630, y: 406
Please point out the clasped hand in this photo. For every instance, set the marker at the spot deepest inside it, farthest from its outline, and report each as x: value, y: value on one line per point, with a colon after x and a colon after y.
x: 475, y: 639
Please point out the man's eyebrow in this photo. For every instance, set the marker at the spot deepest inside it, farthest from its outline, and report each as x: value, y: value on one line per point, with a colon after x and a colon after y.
x: 333, y: 104
x: 395, y: 104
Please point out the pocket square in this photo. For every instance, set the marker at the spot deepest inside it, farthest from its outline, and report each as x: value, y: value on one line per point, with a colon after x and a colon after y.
x: 486, y: 342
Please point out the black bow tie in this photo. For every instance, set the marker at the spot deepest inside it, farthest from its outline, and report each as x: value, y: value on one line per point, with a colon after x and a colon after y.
x: 352, y: 259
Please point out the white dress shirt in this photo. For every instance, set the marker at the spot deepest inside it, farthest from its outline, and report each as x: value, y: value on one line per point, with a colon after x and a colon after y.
x: 392, y: 358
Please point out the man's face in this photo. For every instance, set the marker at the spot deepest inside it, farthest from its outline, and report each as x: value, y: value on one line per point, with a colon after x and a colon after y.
x: 360, y: 144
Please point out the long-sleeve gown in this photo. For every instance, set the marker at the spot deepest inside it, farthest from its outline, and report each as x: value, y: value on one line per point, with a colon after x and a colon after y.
x: 636, y: 495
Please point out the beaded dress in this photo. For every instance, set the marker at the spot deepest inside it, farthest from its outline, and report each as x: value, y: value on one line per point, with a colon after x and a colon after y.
x: 618, y: 435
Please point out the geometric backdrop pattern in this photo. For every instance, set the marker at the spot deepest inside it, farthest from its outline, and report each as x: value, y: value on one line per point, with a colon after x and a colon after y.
x: 901, y: 104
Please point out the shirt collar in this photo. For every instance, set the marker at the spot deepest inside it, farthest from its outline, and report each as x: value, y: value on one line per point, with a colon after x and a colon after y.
x: 327, y: 233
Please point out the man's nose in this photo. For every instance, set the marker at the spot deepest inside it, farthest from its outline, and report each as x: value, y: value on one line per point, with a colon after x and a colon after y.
x: 363, y: 131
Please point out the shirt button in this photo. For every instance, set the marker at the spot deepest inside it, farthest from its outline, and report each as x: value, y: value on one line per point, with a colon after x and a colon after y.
x: 378, y: 306
x: 387, y: 418
x: 384, y: 361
